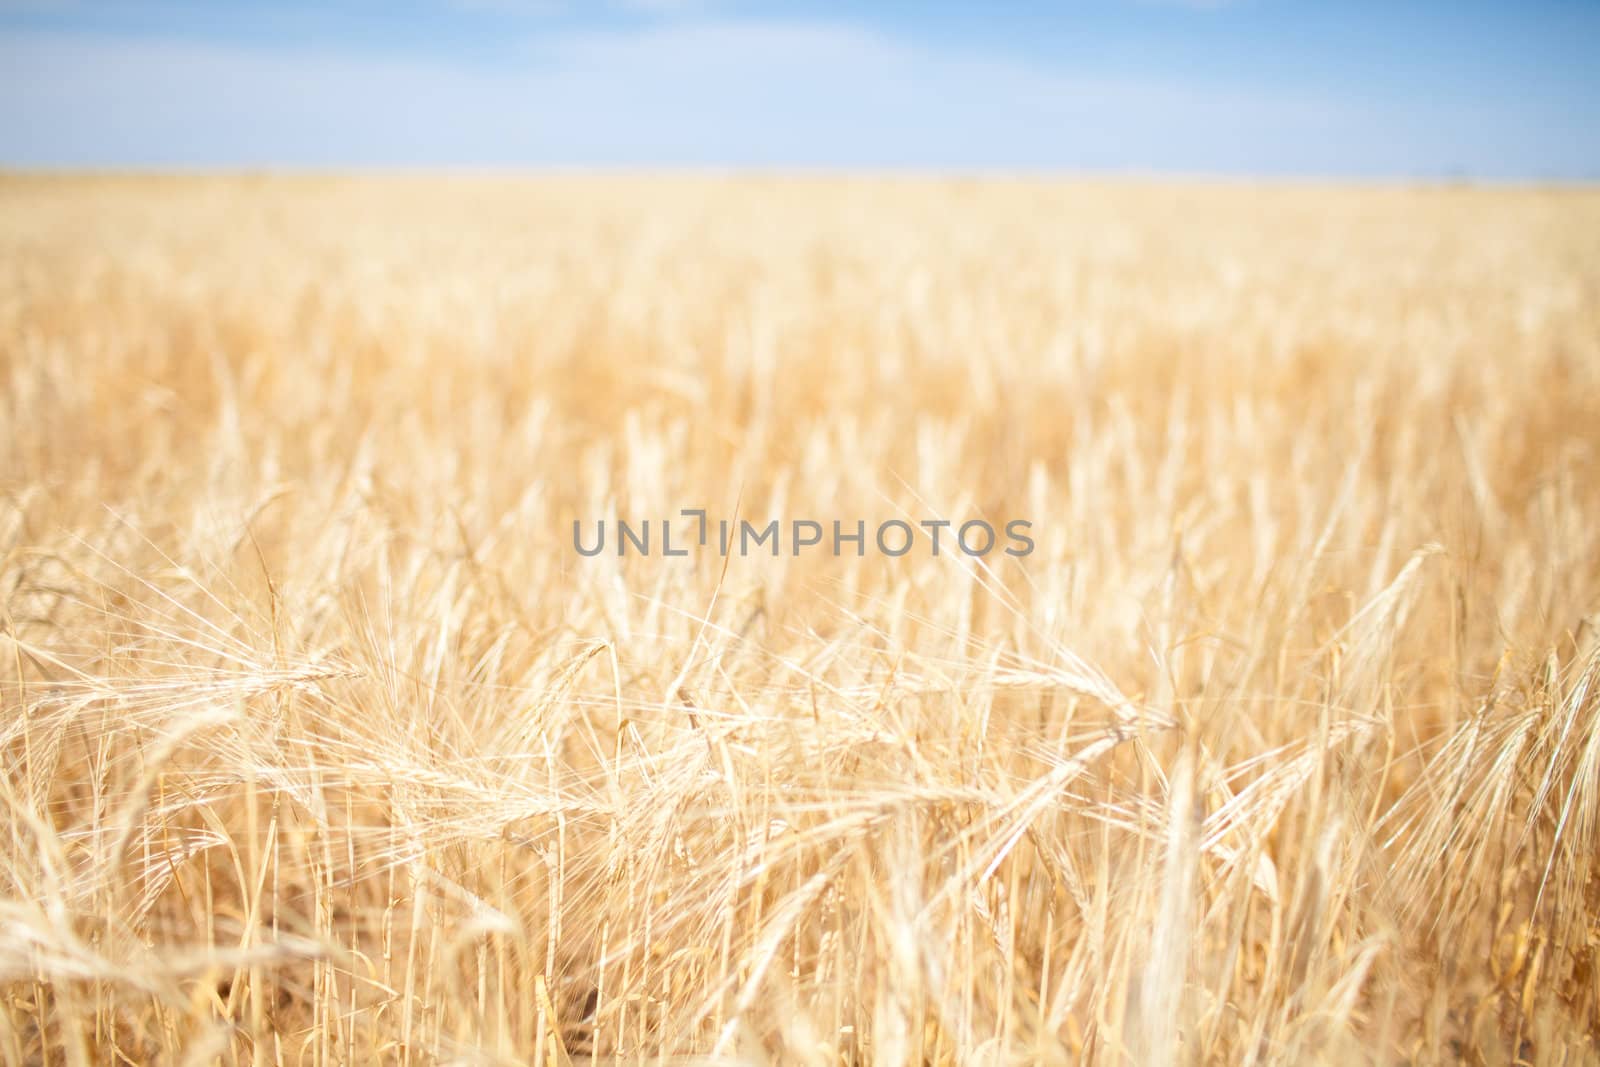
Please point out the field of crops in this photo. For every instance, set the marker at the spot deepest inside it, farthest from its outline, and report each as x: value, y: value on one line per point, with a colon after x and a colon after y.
x: 325, y: 743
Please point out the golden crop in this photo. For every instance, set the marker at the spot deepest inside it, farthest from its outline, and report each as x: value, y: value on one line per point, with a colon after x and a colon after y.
x: 323, y: 745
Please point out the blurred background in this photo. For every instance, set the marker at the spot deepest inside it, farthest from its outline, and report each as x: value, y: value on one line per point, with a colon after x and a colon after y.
x: 1256, y: 87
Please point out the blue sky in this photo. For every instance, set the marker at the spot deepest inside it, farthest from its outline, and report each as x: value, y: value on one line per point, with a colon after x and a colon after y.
x: 1250, y: 87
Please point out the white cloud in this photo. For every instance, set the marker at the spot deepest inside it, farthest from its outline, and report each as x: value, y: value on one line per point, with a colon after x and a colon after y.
x: 664, y: 7
x: 676, y: 8
x: 1195, y: 5
x: 512, y: 7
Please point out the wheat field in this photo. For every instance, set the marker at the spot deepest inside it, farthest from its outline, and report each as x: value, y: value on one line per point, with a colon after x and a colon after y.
x: 323, y: 745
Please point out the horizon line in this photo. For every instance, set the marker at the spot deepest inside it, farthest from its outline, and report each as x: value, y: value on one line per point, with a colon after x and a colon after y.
x: 793, y: 171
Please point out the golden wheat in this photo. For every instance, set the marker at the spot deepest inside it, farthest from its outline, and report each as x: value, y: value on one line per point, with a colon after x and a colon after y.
x: 323, y: 745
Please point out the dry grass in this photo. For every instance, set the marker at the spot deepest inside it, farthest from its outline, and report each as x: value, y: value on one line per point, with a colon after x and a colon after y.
x: 322, y: 745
